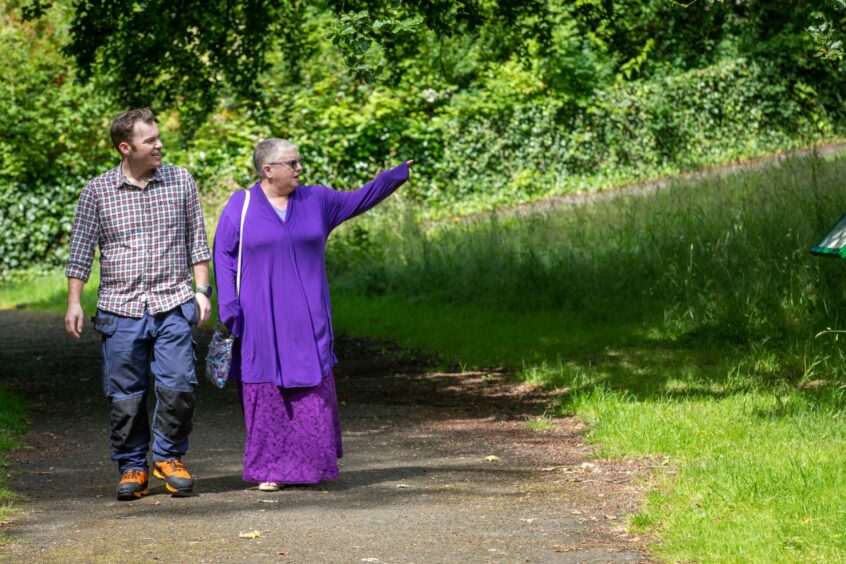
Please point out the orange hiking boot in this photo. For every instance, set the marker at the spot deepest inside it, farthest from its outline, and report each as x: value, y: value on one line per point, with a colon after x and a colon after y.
x: 132, y: 485
x: 176, y: 476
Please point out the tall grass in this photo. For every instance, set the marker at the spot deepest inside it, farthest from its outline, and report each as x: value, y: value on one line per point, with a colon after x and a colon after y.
x: 726, y: 257
x: 690, y: 323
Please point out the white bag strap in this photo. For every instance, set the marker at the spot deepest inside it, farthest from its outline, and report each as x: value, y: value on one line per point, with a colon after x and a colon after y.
x: 241, y: 242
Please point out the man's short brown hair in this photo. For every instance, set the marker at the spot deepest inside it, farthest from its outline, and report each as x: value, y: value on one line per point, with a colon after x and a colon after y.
x: 123, y: 125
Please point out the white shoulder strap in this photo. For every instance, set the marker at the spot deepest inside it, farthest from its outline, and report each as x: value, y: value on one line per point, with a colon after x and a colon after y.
x: 241, y: 242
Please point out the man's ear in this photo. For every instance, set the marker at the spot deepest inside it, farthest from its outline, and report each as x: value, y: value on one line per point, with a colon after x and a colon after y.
x: 125, y: 148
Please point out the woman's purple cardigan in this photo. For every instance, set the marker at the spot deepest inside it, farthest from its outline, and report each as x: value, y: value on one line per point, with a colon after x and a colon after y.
x: 283, y: 318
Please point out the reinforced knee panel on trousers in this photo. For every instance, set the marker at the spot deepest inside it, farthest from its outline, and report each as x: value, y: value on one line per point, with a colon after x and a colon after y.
x: 130, y: 429
x: 175, y: 412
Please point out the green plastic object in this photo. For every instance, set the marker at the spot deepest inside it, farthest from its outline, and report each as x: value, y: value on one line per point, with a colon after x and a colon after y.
x: 834, y: 242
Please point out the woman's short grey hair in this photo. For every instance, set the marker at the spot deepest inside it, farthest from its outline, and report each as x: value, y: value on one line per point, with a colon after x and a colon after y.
x: 268, y: 151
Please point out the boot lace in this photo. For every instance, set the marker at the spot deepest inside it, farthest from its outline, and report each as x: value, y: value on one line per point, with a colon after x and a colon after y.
x: 175, y: 466
x: 132, y: 475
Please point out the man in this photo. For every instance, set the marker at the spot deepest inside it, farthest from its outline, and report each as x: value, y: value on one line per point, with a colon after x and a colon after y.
x: 147, y: 220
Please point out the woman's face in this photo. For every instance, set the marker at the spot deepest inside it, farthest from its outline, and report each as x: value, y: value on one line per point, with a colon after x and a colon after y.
x: 284, y: 172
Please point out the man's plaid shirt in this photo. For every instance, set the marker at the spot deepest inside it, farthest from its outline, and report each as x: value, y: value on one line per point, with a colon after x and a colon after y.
x: 148, y: 238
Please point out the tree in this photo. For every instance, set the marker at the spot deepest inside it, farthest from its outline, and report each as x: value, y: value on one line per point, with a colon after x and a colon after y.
x: 185, y: 54
x: 829, y: 29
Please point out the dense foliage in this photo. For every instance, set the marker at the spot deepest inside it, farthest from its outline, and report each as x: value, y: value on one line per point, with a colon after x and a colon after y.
x: 51, y: 139
x: 186, y: 54
x: 497, y: 102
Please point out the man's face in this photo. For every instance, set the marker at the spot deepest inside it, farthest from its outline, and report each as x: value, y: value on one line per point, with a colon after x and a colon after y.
x: 145, y: 150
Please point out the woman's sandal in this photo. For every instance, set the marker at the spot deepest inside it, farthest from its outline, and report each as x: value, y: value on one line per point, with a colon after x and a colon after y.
x: 269, y: 487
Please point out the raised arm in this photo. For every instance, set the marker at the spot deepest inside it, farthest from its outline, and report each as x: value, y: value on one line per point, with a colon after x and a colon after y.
x: 341, y: 206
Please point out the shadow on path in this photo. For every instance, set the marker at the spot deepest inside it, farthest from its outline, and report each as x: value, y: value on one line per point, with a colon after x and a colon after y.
x: 415, y: 484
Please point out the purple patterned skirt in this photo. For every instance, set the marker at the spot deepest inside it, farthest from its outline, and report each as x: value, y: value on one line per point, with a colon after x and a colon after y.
x: 293, y: 434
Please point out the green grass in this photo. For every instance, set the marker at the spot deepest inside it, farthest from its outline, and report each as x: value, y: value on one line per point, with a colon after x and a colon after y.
x: 46, y: 292
x: 471, y: 334
x: 12, y: 416
x: 727, y: 256
x: 760, y: 475
x: 688, y: 326
x: 541, y: 423
x: 755, y: 434
x: 39, y: 291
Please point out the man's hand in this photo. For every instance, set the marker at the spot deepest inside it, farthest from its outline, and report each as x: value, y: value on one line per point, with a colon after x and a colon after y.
x: 74, y: 316
x: 201, y: 301
x: 203, y: 307
x: 73, y: 320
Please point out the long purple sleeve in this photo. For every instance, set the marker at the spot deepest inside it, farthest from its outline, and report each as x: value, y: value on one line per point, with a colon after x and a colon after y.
x: 226, y: 239
x: 341, y: 206
x: 283, y: 316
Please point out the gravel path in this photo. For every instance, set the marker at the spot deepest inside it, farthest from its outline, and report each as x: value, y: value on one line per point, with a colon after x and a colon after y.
x: 415, y: 484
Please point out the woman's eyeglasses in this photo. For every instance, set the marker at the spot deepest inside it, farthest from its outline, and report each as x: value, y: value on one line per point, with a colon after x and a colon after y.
x: 291, y: 164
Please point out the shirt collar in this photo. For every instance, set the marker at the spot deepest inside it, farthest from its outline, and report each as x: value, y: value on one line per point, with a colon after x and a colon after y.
x: 120, y: 178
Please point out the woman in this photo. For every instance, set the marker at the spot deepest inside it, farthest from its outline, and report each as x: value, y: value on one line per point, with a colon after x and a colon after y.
x: 283, y: 356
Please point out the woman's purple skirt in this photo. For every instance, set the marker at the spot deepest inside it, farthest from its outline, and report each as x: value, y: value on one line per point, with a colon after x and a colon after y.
x: 293, y: 434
